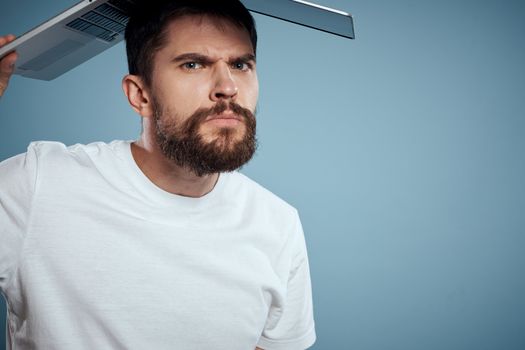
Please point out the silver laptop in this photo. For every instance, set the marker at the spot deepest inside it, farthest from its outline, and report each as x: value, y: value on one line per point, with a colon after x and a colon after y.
x: 92, y: 26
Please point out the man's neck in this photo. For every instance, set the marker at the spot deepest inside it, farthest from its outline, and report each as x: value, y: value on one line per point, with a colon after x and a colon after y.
x: 169, y: 176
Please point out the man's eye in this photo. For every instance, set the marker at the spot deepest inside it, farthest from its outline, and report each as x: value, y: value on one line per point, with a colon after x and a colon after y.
x: 241, y: 66
x: 192, y: 65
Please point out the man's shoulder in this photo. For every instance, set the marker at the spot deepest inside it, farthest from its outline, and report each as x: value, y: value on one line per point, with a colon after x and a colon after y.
x: 55, y: 159
x: 260, y: 194
x: 52, y: 152
x: 56, y: 148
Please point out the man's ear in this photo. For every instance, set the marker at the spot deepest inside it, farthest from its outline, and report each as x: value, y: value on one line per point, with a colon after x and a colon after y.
x: 138, y: 95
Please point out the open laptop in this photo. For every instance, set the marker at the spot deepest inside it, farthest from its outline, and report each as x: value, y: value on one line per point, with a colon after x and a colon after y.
x: 92, y: 26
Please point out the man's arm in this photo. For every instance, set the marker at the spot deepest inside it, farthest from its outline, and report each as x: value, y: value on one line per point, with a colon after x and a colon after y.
x: 7, y: 63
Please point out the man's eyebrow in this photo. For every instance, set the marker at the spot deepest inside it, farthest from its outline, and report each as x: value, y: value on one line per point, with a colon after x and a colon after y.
x: 192, y: 56
x: 245, y: 58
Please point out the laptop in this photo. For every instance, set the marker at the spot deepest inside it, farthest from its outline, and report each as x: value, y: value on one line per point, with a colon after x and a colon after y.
x: 93, y: 26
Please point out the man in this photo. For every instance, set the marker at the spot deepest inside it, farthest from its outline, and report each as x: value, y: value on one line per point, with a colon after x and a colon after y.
x: 158, y: 243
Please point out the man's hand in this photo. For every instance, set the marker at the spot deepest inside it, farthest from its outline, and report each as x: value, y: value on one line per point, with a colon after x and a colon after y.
x: 7, y: 63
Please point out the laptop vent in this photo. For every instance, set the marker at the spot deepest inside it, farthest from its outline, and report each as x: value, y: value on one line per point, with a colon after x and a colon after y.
x: 113, y: 13
x: 92, y: 29
x: 125, y: 6
x: 105, y: 22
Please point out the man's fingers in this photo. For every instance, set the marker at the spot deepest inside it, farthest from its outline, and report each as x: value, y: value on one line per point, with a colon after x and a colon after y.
x: 7, y: 64
x: 6, y: 39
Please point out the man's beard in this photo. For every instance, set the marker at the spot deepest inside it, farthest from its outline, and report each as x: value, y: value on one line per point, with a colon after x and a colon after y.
x: 184, y: 145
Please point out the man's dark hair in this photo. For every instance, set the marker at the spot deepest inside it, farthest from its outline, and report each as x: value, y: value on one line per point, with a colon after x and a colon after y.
x: 146, y: 29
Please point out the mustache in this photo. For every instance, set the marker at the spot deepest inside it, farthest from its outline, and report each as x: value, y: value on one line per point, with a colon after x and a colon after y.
x: 202, y: 114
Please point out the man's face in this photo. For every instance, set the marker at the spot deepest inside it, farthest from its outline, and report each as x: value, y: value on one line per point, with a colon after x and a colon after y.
x: 204, y: 90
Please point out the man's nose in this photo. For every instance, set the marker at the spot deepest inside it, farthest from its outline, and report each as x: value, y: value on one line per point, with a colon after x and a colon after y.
x: 224, y: 87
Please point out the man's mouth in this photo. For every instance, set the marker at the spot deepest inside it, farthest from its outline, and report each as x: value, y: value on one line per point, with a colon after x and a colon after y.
x: 226, y: 116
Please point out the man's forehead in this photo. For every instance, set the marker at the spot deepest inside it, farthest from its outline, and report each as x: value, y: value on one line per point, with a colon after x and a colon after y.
x: 195, y: 30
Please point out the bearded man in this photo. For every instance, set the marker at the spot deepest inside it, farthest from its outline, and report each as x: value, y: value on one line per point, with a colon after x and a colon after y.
x: 158, y: 243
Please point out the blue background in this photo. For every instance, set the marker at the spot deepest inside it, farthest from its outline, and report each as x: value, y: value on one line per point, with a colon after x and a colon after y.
x: 403, y: 151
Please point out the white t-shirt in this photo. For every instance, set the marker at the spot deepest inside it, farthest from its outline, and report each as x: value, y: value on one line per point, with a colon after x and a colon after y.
x: 94, y: 256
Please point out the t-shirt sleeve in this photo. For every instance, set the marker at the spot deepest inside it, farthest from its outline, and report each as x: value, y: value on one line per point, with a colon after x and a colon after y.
x: 17, y: 186
x: 292, y: 326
